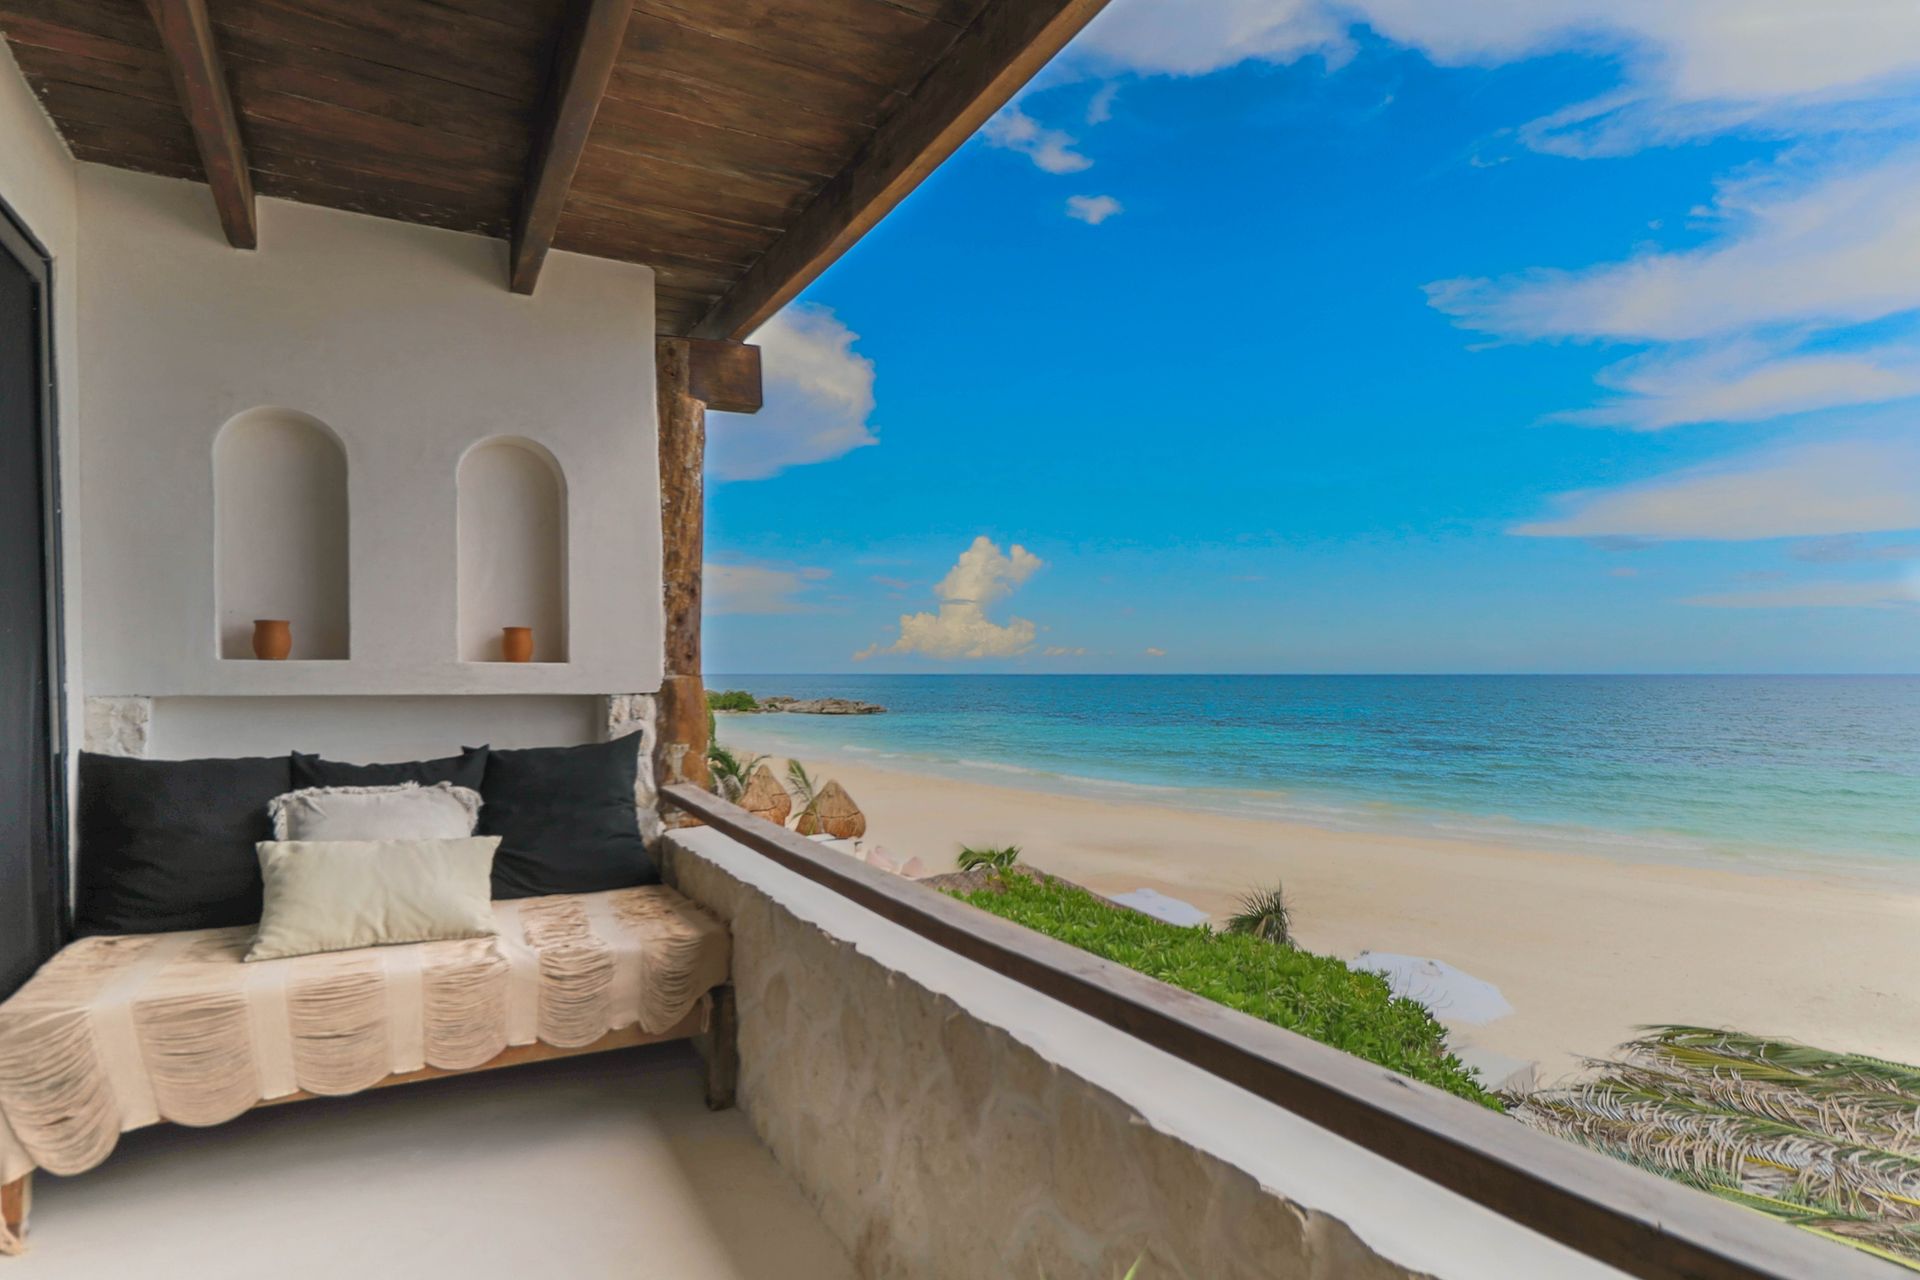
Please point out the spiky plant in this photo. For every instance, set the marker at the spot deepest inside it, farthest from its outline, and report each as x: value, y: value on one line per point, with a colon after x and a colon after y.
x: 808, y: 793
x: 731, y: 770
x: 992, y: 857
x: 1264, y: 914
x: 1826, y: 1141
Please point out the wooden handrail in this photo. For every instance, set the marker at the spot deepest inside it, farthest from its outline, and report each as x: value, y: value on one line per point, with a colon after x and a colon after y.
x: 1611, y: 1212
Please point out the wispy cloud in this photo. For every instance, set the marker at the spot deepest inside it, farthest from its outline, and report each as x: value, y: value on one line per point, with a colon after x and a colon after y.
x: 983, y: 576
x: 1093, y: 210
x: 1839, y: 249
x: 1049, y: 149
x: 744, y: 588
x: 1154, y: 651
x: 1745, y: 382
x: 1837, y: 487
x: 1690, y: 68
x: 1852, y: 550
x: 819, y: 400
x: 1063, y: 651
x: 1180, y: 37
x: 1818, y: 595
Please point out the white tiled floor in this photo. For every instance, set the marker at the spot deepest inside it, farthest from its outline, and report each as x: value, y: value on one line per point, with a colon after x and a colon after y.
x: 606, y: 1165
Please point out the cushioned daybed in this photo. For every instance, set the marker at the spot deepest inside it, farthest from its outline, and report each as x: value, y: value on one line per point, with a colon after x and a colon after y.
x: 126, y: 1029
x: 118, y: 1033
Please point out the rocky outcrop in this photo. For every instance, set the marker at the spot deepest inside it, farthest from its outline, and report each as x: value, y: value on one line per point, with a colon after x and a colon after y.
x: 822, y: 706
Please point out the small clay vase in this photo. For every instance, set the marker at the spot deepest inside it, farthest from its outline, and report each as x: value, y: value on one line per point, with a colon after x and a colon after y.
x: 272, y: 639
x: 516, y: 644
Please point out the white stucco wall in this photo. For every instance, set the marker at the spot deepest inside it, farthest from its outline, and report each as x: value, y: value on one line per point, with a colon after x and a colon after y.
x: 405, y: 342
x: 37, y: 181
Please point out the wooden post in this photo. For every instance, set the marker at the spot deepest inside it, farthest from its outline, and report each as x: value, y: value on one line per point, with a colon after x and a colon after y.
x: 681, y: 750
x: 691, y: 373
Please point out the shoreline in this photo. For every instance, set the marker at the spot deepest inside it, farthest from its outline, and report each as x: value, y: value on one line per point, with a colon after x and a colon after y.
x: 1355, y: 815
x: 1585, y: 946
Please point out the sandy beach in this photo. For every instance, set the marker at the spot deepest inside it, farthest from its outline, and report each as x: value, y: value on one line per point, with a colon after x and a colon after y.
x: 1585, y: 948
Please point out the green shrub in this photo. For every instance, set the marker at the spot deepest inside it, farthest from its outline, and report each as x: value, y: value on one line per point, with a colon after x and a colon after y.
x: 731, y: 700
x: 1317, y: 996
x: 999, y: 858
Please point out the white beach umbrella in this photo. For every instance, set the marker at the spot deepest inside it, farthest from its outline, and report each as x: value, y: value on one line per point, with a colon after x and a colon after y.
x: 1450, y: 994
x: 1150, y: 902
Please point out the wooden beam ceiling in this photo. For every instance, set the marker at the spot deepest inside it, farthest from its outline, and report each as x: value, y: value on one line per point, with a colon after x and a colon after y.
x: 581, y: 72
x: 1006, y: 44
x: 736, y: 147
x: 186, y: 34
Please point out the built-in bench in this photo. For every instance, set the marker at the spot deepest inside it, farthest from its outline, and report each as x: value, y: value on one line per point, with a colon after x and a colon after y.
x: 119, y: 1032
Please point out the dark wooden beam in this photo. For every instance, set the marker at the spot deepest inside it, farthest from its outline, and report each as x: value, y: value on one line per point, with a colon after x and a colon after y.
x: 201, y: 81
x: 724, y: 376
x: 581, y: 70
x: 1005, y: 46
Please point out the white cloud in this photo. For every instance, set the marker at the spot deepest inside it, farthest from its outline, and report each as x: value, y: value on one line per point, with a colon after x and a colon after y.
x: 983, y: 576
x: 1100, y: 106
x: 1154, y: 651
x: 1839, y: 487
x: 1049, y: 149
x: 1817, y: 595
x: 1691, y: 67
x: 1063, y: 651
x: 1093, y: 210
x: 819, y: 400
x: 745, y: 588
x: 1843, y: 249
x: 1746, y: 382
x: 1851, y: 550
x: 1181, y: 37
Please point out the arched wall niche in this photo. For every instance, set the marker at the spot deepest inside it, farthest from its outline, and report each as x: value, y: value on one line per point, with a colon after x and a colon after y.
x: 512, y: 548
x: 280, y: 533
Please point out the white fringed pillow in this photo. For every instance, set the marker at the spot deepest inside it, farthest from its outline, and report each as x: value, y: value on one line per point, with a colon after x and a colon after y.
x: 407, y: 811
x: 337, y: 895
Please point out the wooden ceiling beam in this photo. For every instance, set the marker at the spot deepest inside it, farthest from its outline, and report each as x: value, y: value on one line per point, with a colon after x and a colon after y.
x: 581, y: 72
x: 998, y: 53
x: 201, y: 81
x: 724, y: 376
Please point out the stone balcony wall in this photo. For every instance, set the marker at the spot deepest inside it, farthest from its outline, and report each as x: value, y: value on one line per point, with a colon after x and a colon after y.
x: 937, y: 1144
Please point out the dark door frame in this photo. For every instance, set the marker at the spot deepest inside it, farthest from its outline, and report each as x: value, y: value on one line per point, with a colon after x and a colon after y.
x: 23, y: 246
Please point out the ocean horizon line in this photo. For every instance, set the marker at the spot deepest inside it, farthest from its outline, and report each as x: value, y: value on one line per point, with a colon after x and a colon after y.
x: 862, y: 674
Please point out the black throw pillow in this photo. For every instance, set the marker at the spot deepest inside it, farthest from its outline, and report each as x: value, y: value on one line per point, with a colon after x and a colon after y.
x: 566, y: 818
x: 468, y: 769
x: 168, y: 844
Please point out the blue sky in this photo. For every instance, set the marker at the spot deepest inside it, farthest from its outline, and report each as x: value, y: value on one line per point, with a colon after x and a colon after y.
x: 1367, y: 335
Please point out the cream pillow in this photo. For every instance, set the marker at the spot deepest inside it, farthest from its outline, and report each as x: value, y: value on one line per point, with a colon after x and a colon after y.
x: 335, y: 895
x: 408, y: 811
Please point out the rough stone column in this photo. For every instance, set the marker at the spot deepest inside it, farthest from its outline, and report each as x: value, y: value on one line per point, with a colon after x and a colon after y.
x: 118, y: 726
x: 680, y: 748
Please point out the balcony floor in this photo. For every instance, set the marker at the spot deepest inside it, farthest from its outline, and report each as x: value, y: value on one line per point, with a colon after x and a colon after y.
x: 606, y: 1165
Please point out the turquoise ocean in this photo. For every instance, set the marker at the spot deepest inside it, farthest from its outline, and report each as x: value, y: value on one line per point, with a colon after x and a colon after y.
x: 1805, y: 774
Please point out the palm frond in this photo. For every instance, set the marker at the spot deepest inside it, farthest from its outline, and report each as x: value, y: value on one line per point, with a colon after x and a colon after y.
x: 808, y: 793
x: 1826, y: 1141
x: 1264, y: 914
x: 995, y: 857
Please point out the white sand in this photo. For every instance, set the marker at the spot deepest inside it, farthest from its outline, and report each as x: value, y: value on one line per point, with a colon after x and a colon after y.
x: 1586, y: 948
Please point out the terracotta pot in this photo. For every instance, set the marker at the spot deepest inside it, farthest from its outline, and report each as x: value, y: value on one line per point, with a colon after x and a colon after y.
x: 272, y: 639
x: 516, y: 644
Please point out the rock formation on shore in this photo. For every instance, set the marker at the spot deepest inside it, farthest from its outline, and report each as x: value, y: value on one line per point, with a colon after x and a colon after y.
x: 822, y: 706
